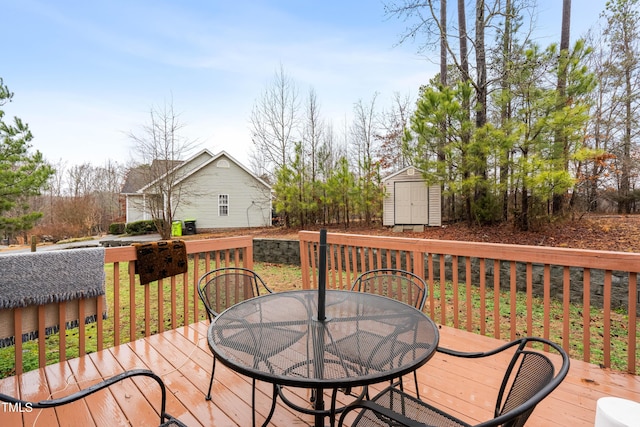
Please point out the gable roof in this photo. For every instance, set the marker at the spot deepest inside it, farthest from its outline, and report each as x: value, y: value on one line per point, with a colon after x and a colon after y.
x: 403, y: 170
x: 217, y: 157
x: 138, y: 177
x: 175, y: 168
x: 137, y: 181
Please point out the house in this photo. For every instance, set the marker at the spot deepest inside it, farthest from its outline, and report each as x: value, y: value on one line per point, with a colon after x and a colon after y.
x: 216, y: 191
x: 409, y: 200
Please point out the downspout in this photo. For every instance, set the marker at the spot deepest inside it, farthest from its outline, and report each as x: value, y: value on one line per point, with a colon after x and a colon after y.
x: 249, y: 207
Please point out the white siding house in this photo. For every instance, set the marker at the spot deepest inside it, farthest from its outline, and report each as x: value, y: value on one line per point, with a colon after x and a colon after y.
x: 215, y: 190
x: 409, y: 200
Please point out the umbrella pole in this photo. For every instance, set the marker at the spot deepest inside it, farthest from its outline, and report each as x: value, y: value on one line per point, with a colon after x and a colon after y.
x: 322, y: 275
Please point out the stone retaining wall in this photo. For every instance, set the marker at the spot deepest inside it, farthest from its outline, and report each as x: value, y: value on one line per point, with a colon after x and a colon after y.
x: 276, y: 251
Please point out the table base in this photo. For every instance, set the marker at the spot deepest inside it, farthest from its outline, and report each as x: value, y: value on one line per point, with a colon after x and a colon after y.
x: 319, y: 413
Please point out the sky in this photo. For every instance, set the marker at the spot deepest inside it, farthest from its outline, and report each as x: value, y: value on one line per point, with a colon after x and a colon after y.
x: 86, y: 74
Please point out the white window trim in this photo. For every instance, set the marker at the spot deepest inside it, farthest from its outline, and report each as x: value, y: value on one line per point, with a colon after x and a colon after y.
x: 220, y: 204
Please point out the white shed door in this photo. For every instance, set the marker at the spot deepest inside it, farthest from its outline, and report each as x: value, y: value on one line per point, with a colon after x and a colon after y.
x: 411, y: 203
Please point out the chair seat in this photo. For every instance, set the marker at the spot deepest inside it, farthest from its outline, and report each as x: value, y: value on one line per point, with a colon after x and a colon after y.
x: 407, y: 405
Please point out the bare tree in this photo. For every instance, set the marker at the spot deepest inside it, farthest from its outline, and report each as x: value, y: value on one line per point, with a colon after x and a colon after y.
x: 393, y: 124
x: 363, y: 131
x: 274, y: 120
x: 312, y: 132
x: 623, y: 36
x: 161, y: 148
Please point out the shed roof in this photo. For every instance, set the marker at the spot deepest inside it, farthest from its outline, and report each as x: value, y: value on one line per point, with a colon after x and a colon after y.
x: 401, y: 171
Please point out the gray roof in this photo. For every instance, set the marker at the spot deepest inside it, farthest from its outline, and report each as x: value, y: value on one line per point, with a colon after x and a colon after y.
x: 139, y: 176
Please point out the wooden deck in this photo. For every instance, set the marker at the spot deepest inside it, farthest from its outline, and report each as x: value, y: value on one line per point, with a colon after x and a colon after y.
x: 183, y: 359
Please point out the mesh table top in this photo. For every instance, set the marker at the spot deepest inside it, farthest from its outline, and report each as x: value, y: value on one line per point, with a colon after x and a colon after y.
x: 365, y: 339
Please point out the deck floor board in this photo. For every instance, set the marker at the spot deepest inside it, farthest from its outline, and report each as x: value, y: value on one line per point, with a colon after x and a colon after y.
x: 182, y: 358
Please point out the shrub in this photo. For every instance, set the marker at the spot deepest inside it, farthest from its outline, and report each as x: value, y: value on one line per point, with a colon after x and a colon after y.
x: 141, y: 227
x: 57, y: 232
x: 117, y: 228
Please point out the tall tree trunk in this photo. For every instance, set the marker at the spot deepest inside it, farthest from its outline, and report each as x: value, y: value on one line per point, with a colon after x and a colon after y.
x: 481, y: 192
x: 481, y: 67
x: 561, y: 141
x: 443, y: 82
x: 464, y: 68
x: 625, y: 178
x: 505, y: 107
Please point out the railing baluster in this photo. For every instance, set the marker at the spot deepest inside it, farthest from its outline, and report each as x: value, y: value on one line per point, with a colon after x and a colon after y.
x: 566, y: 301
x: 513, y: 290
x: 196, y: 278
x: 62, y: 331
x: 42, y: 335
x: 483, y: 297
x: 529, y: 298
x: 174, y: 306
x: 443, y: 291
x: 586, y: 315
x: 82, y: 342
x: 431, y: 282
x: 147, y: 309
x: 17, y: 333
x: 633, y: 305
x: 116, y: 303
x: 132, y: 302
x: 496, y: 298
x: 161, y: 305
x: 547, y: 300
x: 607, y: 320
x: 99, y: 323
x: 467, y: 262
x: 456, y: 291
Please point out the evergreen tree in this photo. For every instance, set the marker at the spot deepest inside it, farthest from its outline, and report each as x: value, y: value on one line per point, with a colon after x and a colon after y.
x: 22, y: 173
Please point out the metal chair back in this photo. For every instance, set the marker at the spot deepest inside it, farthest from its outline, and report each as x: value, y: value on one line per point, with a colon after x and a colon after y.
x: 223, y: 287
x: 401, y: 285
x: 529, y: 378
x: 528, y: 374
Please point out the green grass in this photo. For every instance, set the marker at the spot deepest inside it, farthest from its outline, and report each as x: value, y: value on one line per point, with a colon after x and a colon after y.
x: 618, y: 328
x: 282, y: 277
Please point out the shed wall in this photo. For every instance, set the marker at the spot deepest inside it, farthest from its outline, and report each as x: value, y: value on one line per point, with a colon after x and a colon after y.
x: 388, y: 207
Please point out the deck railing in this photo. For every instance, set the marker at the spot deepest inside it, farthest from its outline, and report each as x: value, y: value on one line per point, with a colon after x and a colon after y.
x: 131, y: 311
x: 584, y: 299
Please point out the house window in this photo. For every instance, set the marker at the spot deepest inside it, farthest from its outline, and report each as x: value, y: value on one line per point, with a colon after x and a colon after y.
x: 223, y: 204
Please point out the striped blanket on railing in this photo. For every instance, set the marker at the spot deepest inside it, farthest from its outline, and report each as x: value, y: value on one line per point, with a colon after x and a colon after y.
x: 53, y: 276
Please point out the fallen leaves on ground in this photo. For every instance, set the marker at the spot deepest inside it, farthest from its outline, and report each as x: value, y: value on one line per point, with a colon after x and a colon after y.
x: 620, y: 233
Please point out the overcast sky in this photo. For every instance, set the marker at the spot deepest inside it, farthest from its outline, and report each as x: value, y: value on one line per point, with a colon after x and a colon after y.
x: 86, y: 73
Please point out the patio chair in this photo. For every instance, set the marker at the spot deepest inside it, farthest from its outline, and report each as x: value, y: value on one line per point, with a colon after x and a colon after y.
x: 166, y: 420
x: 223, y: 287
x: 402, y: 285
x: 530, y: 377
x: 393, y: 283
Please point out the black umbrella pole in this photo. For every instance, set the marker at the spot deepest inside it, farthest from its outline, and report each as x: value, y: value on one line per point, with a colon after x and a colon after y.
x: 322, y: 275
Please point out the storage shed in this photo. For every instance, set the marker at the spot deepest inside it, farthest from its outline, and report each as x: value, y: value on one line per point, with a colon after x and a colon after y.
x: 409, y: 200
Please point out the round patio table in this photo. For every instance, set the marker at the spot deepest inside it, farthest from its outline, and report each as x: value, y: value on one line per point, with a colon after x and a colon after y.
x: 364, y: 339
